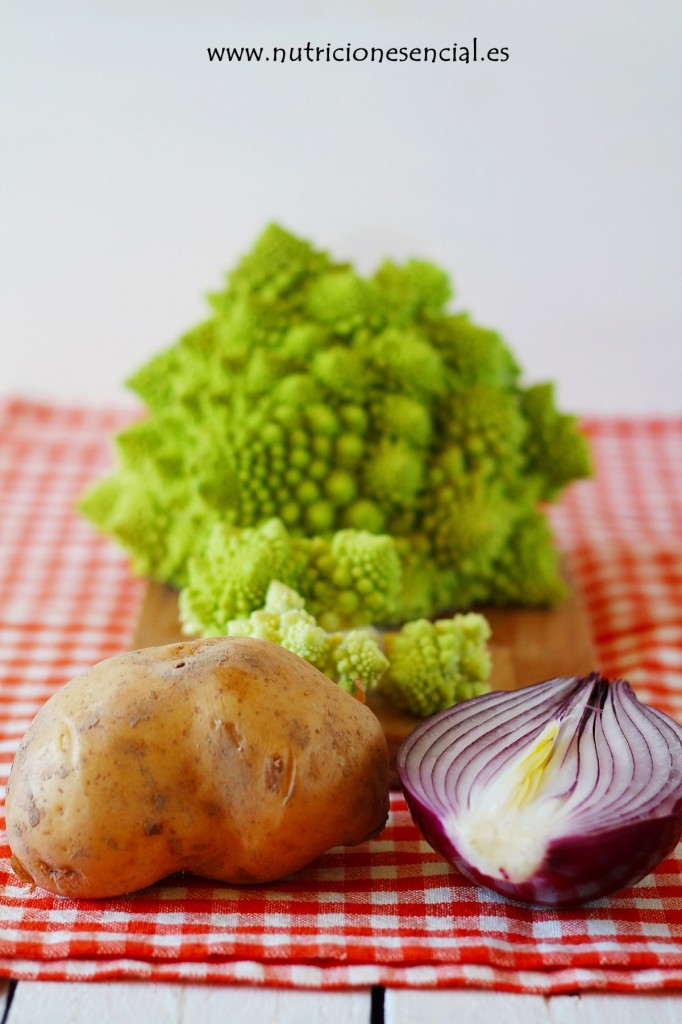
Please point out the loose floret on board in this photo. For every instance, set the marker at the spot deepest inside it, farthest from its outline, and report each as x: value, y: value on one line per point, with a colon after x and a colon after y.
x: 424, y: 668
x: 433, y: 665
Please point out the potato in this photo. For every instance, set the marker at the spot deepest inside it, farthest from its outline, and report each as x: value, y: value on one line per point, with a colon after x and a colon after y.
x: 230, y: 758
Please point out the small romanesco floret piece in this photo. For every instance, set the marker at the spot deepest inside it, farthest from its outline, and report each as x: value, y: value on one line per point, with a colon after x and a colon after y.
x: 261, y: 625
x: 281, y: 599
x: 435, y: 664
x: 348, y: 658
x: 355, y: 657
x: 306, y: 639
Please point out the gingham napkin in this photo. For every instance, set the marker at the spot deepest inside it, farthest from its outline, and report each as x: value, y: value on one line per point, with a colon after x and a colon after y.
x: 390, y: 912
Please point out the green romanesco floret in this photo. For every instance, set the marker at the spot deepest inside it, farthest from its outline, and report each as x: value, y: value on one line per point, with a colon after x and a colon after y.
x: 436, y: 664
x: 332, y: 401
x: 353, y: 659
x: 556, y: 451
x: 351, y: 579
x: 527, y: 565
x: 231, y: 576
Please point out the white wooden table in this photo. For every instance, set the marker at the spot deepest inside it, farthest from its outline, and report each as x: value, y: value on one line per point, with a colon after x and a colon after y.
x: 129, y: 1002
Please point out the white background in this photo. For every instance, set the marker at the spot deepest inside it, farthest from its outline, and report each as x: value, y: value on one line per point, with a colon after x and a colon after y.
x: 134, y: 173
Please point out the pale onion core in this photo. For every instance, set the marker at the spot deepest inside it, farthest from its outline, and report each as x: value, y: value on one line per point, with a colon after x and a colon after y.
x: 559, y: 793
x: 505, y: 833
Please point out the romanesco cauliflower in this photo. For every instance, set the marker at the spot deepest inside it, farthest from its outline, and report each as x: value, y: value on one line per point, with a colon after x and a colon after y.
x: 336, y: 402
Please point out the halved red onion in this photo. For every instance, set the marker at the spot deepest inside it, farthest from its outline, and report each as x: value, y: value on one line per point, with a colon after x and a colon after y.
x: 559, y: 793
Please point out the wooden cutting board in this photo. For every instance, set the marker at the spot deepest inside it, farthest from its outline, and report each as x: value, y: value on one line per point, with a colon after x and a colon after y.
x: 527, y: 646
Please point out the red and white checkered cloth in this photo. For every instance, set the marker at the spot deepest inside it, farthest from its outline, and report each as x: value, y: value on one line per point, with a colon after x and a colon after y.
x: 390, y: 912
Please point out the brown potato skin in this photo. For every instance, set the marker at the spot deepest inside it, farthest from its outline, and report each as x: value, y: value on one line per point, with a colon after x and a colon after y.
x: 230, y: 758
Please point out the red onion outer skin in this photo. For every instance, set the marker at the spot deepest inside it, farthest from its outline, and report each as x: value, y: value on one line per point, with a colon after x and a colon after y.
x: 577, y: 867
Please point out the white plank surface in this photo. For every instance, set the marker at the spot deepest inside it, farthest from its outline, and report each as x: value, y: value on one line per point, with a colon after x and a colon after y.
x: 412, y: 1006
x: 623, y: 1009
x: 122, y: 1002
x: 39, y: 1002
x: 465, y: 1006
